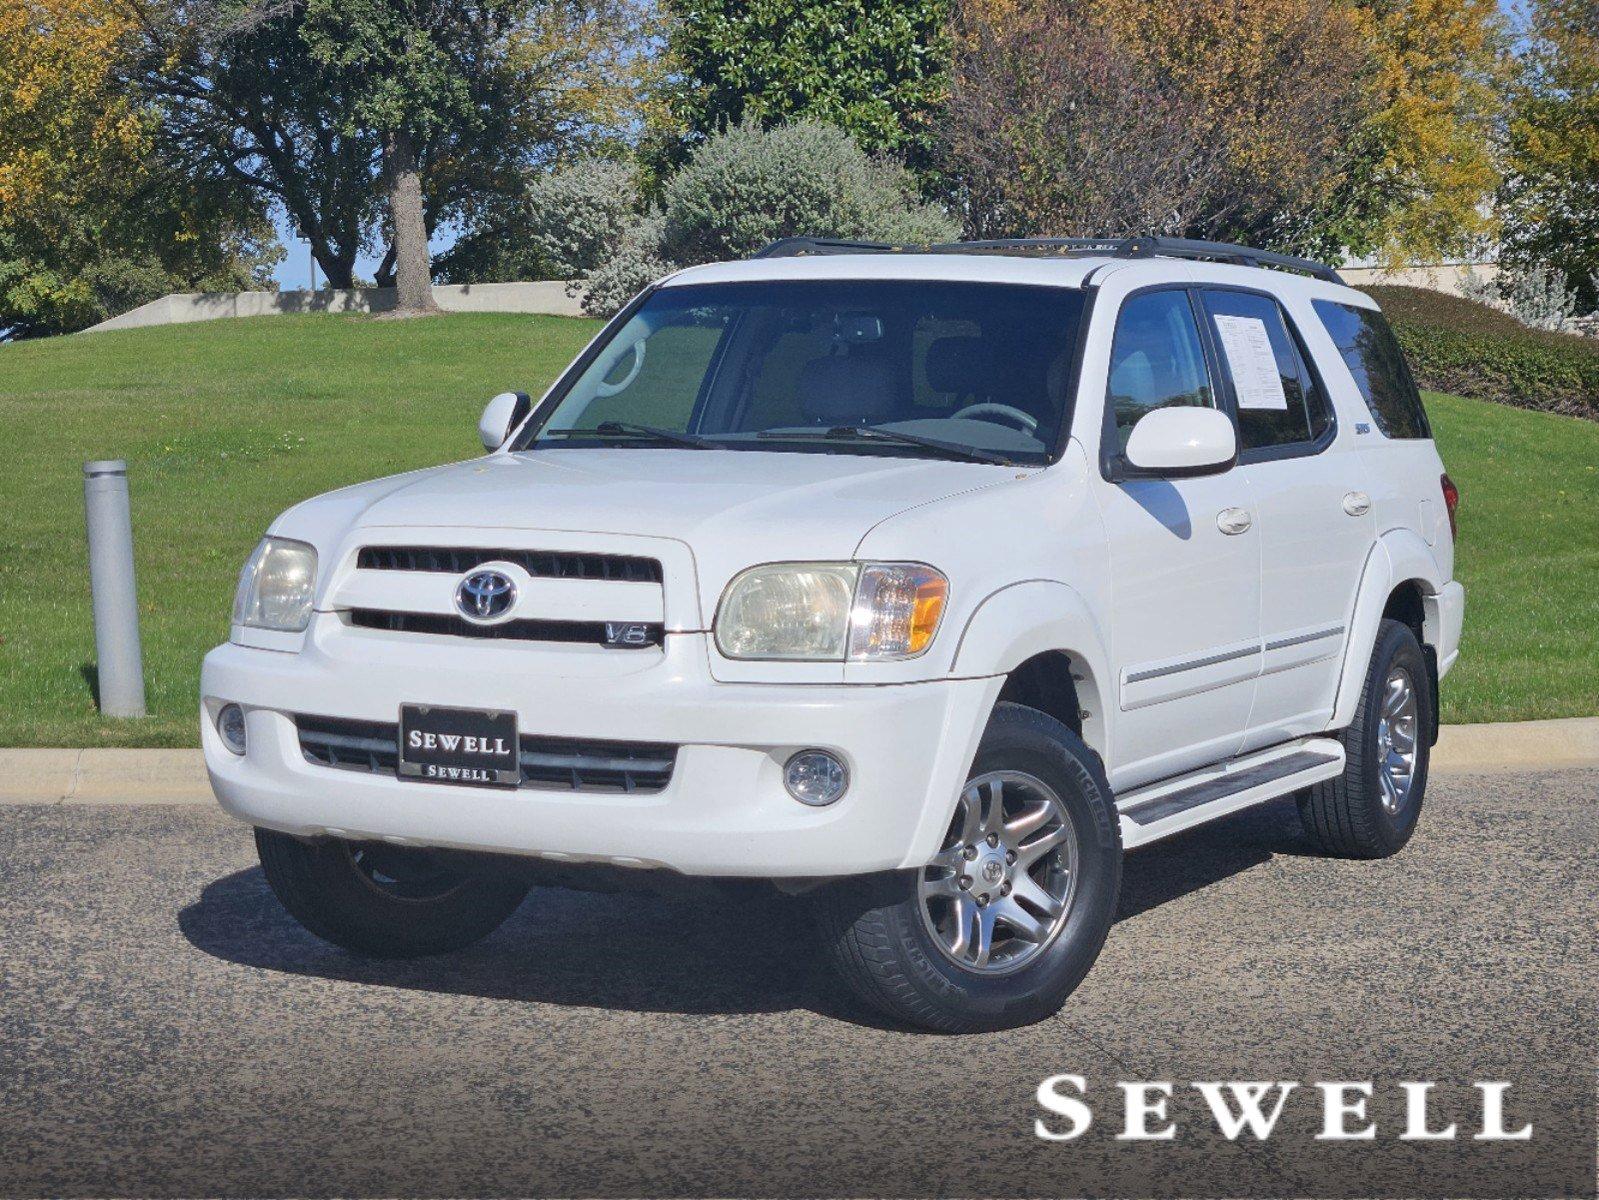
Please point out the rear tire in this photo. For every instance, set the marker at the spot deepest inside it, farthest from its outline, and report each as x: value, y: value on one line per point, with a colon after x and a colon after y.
x: 1035, y: 848
x: 1371, y: 810
x: 384, y: 901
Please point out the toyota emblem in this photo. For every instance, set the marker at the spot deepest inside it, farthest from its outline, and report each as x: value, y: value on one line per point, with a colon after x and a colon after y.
x: 485, y: 596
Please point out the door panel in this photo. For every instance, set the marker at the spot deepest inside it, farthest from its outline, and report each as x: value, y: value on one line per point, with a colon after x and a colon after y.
x: 1311, y: 511
x: 1185, y: 594
x: 1185, y: 623
x: 1313, y: 552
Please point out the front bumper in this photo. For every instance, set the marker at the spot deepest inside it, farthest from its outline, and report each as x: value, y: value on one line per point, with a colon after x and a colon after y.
x: 724, y: 812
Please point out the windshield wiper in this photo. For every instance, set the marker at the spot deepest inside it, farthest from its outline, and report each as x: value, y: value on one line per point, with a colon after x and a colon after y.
x: 871, y: 433
x: 634, y: 429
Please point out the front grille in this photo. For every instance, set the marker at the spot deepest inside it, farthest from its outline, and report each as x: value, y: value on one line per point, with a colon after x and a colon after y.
x: 557, y: 763
x: 528, y: 630
x: 541, y: 564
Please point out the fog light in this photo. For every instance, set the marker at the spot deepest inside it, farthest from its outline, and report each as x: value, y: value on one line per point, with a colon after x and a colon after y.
x: 230, y: 727
x: 815, y: 777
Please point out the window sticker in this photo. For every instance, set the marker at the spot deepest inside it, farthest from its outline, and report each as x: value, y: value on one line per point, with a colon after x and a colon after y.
x: 1253, y: 365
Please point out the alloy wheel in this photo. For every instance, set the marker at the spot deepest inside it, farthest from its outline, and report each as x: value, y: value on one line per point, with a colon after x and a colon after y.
x: 1001, y: 888
x: 1396, y: 740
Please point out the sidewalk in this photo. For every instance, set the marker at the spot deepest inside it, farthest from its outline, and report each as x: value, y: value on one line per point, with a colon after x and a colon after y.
x: 178, y: 776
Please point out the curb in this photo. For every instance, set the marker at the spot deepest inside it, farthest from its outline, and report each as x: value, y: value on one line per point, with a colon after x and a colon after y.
x: 93, y: 776
x: 1517, y: 746
x: 123, y: 777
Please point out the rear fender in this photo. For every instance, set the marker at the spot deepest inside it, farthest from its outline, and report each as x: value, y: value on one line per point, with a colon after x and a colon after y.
x: 1397, y: 557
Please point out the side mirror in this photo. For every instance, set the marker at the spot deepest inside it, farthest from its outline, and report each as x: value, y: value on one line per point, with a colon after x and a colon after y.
x: 1175, y: 442
x: 502, y: 414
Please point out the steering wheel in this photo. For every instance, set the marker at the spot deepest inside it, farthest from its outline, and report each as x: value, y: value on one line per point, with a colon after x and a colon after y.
x: 989, y: 410
x: 610, y: 389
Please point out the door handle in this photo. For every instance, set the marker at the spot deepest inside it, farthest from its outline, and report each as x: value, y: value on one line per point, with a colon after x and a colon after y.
x: 1357, y: 504
x: 1233, y: 521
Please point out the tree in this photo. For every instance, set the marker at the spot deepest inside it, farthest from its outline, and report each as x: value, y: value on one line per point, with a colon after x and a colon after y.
x: 1281, y: 92
x: 1321, y: 126
x: 1053, y: 129
x: 284, y: 97
x: 587, y: 81
x: 96, y: 213
x: 455, y: 92
x: 1550, y: 200
x: 1220, y: 120
x: 411, y: 67
x: 875, y: 70
x: 1422, y: 170
x: 250, y: 103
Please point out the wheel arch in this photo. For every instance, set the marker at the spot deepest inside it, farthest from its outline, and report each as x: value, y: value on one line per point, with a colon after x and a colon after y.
x: 1042, y: 636
x: 1401, y: 581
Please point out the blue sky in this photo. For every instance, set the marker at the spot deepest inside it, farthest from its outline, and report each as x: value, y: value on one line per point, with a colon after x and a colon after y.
x: 295, y: 270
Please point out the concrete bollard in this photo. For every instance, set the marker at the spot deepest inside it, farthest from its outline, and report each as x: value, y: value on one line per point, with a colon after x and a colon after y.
x: 116, y: 605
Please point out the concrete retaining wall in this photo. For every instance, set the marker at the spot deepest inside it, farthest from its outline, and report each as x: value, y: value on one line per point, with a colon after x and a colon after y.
x: 548, y: 297
x: 1440, y: 277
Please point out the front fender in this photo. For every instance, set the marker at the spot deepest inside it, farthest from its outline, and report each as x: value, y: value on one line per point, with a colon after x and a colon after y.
x: 1035, y: 617
x: 1009, y: 627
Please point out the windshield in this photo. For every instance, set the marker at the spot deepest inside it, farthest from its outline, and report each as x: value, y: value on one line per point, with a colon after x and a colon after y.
x: 904, y: 367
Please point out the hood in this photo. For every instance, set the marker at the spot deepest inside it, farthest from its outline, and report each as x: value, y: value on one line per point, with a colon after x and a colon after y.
x: 733, y: 508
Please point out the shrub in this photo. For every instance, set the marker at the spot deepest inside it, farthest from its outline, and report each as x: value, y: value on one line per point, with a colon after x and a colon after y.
x: 747, y: 187
x: 575, y: 213
x: 634, y: 261
x: 1535, y: 294
x: 1471, y: 349
x: 560, y: 225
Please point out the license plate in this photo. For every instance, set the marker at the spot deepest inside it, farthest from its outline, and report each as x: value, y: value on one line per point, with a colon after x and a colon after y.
x: 459, y: 745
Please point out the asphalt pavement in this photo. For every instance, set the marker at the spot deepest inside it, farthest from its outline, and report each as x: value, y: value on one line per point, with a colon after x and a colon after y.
x: 166, y: 1030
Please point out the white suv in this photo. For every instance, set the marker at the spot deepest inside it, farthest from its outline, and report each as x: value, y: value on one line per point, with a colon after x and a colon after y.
x: 922, y: 581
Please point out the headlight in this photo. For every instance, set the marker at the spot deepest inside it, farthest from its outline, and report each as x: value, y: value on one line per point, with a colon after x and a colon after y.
x: 275, y: 586
x: 826, y: 612
x: 787, y: 610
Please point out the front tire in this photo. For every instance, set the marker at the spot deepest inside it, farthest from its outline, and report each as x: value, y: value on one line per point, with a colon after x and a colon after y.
x: 1009, y: 916
x: 1371, y: 810
x: 384, y: 901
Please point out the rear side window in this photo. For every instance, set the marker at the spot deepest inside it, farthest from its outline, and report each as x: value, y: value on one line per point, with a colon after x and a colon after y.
x: 1372, y: 354
x: 1156, y: 360
x: 1279, y: 404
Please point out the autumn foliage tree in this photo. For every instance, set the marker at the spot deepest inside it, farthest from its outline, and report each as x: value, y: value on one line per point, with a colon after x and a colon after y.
x: 1322, y: 126
x: 1551, y: 194
x: 96, y: 212
x: 1219, y: 120
x: 1053, y: 129
x: 1425, y: 162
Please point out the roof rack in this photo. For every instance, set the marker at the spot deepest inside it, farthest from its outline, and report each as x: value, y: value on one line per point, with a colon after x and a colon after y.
x: 1150, y: 247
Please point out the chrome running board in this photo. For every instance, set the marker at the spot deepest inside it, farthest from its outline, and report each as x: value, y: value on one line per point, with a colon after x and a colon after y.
x: 1161, y: 809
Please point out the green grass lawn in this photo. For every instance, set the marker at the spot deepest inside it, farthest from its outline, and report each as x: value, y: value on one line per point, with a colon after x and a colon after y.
x: 1529, y: 556
x: 227, y: 423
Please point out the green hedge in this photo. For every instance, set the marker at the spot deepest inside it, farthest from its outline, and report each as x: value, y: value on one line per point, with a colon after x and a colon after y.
x: 1469, y: 349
